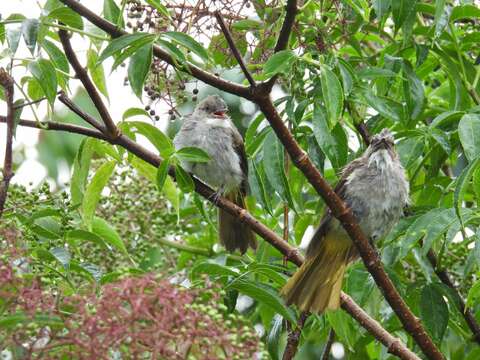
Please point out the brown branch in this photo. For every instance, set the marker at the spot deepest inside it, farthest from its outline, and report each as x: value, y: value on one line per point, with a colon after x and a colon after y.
x: 6, y: 82
x: 466, y: 312
x: 233, y: 48
x: 328, y: 345
x: 89, y: 119
x: 88, y: 84
x: 367, y: 252
x: 348, y: 304
x: 158, y: 52
x: 294, y: 338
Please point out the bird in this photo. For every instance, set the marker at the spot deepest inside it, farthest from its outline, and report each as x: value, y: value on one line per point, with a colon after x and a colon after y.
x: 375, y: 188
x: 210, y: 128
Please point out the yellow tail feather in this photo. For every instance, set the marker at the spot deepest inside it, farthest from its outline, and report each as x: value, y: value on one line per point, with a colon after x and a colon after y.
x: 317, y: 284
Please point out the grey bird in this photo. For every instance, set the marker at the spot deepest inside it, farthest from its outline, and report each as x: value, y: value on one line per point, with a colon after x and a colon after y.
x: 211, y: 129
x: 375, y: 188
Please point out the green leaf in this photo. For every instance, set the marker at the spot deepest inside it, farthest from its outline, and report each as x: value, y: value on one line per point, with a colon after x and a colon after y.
x: 81, y: 164
x: 159, y: 7
x: 279, y: 62
x: 96, y: 72
x: 111, y: 12
x: 162, y: 173
x: 192, y: 154
x: 434, y: 312
x: 257, y: 184
x: 467, y: 11
x: 13, y: 38
x: 247, y: 24
x: 62, y: 256
x: 265, y: 295
x: 274, y: 164
x: 139, y: 67
x: 214, y: 269
x: 79, y: 234
x: 44, y: 72
x: 161, y: 141
x: 386, y: 107
x: 401, y: 11
x: 473, y: 294
x: 441, y: 17
x: 11, y: 321
x: 184, y: 180
x: 57, y: 56
x: 136, y: 40
x: 2, y: 32
x: 94, y: 190
x: 374, y: 73
x: 67, y: 16
x: 332, y: 94
x: 17, y: 114
x: 461, y: 185
x: 410, y: 149
x: 413, y: 92
x: 176, y: 54
x: 469, y: 133
x: 188, y: 42
x: 104, y: 230
x: 30, y: 32
x: 134, y: 112
x: 325, y: 140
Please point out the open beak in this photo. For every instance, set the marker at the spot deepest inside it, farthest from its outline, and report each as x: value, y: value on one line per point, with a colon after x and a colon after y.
x: 220, y: 113
x: 383, y: 144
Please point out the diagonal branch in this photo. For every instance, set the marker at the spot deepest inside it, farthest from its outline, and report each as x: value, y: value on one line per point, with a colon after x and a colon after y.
x: 393, y: 344
x: 233, y: 48
x: 328, y: 345
x: 193, y: 70
x: 88, y: 84
x: 294, y: 338
x: 6, y: 82
x: 71, y: 105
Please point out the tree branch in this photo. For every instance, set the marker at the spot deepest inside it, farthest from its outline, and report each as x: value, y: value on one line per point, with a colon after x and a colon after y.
x: 294, y: 338
x: 6, y: 82
x: 328, y: 345
x: 71, y: 105
x: 88, y: 84
x: 291, y: 253
x: 158, y: 52
x: 233, y: 48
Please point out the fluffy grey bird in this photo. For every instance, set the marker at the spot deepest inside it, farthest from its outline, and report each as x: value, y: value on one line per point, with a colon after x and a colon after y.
x: 375, y: 188
x: 211, y: 129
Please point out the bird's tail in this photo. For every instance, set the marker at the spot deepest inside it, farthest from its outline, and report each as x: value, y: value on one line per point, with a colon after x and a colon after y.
x: 234, y: 234
x: 317, y: 284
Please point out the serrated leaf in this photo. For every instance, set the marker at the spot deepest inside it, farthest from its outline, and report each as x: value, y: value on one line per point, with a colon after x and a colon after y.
x: 139, y: 67
x: 192, y: 154
x: 94, y: 191
x: 44, y: 72
x: 67, y: 16
x: 332, y: 94
x: 434, y: 312
x: 469, y: 133
x: 30, y: 32
x: 104, y: 230
x: 184, y: 180
x: 188, y: 42
x: 279, y: 62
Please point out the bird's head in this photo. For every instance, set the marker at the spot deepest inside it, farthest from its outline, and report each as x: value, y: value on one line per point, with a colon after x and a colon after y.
x: 213, y: 106
x: 382, y: 148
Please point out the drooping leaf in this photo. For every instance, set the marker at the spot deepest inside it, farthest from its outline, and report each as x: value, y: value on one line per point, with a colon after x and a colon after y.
x: 13, y: 38
x: 44, y: 72
x: 96, y: 72
x: 469, y: 133
x: 30, y: 32
x: 273, y: 336
x: 111, y: 12
x: 184, y: 180
x: 139, y: 67
x: 104, y: 230
x: 461, y: 185
x: 279, y: 62
x: 136, y: 41
x: 325, y: 138
x: 62, y: 256
x: 57, y: 57
x: 81, y: 164
x: 94, y: 190
x: 134, y: 112
x: 188, y: 42
x: 162, y: 173
x: 434, y: 311
x: 161, y: 141
x: 332, y: 94
x: 67, y: 16
x: 192, y: 154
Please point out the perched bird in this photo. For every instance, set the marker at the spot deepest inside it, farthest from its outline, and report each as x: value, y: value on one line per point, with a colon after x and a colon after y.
x: 376, y: 190
x: 211, y: 129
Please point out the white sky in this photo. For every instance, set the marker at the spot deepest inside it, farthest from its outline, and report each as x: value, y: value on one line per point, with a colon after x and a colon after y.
x: 121, y: 97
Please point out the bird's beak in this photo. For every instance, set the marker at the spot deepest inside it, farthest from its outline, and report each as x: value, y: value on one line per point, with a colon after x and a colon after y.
x: 221, y: 113
x: 383, y: 144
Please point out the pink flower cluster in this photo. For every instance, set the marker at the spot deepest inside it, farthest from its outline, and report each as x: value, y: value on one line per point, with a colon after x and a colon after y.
x: 137, y: 317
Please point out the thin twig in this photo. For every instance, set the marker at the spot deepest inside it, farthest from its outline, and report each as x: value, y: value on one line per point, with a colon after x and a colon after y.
x: 328, y: 345
x: 294, y: 338
x: 6, y: 82
x: 75, y: 109
x: 88, y: 84
x: 233, y: 48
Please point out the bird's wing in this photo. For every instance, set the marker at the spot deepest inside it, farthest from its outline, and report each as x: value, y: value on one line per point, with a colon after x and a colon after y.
x: 239, y: 148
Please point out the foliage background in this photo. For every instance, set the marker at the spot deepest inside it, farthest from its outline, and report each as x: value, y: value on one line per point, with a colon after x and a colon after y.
x: 408, y: 65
